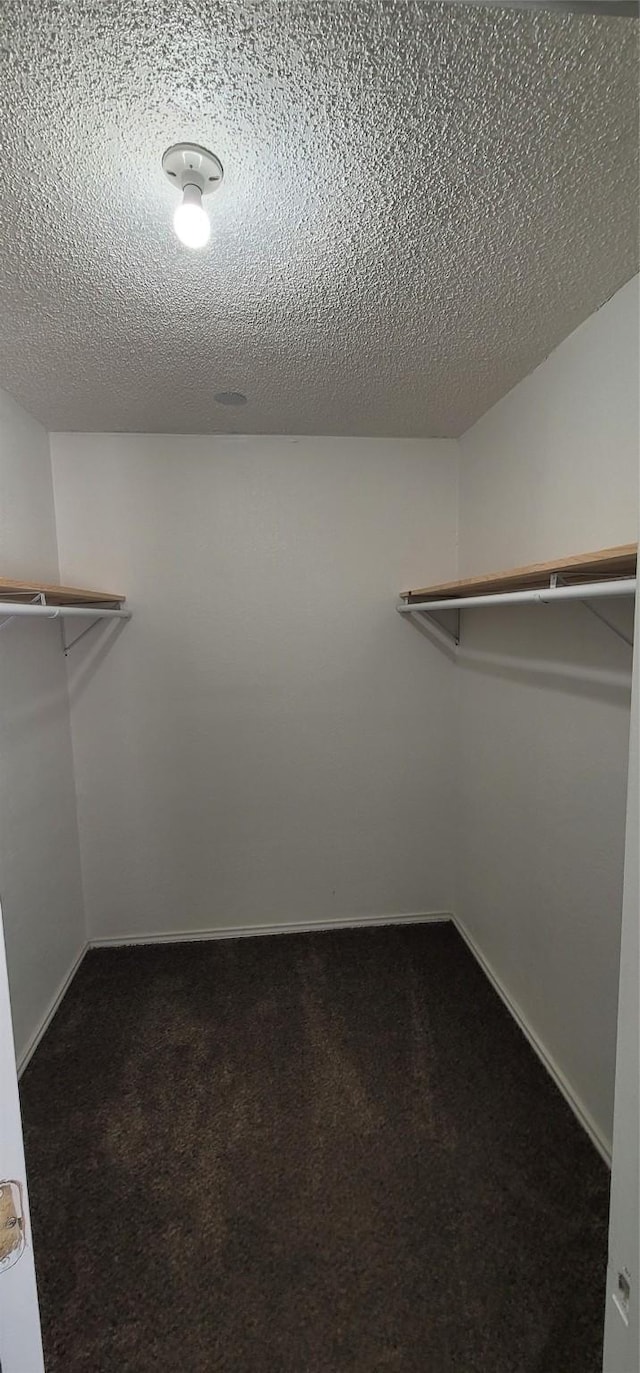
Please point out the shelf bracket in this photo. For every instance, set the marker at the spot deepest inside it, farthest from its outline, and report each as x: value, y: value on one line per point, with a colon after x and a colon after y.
x: 38, y: 599
x: 68, y: 644
x: 451, y: 636
x: 621, y: 633
x: 588, y: 605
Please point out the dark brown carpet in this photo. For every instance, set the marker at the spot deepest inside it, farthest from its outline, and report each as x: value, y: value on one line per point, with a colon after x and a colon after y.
x: 327, y: 1153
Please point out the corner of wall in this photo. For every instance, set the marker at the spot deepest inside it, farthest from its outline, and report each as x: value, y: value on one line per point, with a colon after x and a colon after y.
x: 73, y: 755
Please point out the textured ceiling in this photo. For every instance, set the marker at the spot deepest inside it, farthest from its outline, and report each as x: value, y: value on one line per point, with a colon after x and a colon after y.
x: 420, y: 201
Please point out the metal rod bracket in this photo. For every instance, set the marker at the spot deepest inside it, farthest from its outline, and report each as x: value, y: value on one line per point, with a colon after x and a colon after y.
x: 450, y: 638
x: 68, y: 644
x: 604, y: 619
x: 615, y: 629
x: 452, y: 634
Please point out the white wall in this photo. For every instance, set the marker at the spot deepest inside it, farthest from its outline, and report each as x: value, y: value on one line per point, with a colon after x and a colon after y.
x: 622, y: 1339
x: 40, y: 884
x: 543, y: 699
x: 266, y: 741
x: 553, y: 467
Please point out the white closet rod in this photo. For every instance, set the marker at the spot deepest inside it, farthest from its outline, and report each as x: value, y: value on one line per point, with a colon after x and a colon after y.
x: 587, y: 591
x: 57, y: 612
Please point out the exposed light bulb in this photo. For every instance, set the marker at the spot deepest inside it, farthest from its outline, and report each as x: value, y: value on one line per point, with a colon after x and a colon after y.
x: 191, y: 221
x: 197, y: 173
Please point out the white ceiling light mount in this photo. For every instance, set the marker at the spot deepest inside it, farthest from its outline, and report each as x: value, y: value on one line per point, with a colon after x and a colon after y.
x: 196, y: 172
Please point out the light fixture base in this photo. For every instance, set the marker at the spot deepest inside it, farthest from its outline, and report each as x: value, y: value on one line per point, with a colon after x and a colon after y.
x: 187, y: 164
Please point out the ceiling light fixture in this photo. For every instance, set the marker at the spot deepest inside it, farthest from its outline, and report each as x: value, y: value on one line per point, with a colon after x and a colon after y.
x: 197, y: 173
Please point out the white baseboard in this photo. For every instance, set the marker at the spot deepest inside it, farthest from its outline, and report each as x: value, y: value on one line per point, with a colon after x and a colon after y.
x: 34, y: 1040
x: 579, y: 1110
x: 346, y: 922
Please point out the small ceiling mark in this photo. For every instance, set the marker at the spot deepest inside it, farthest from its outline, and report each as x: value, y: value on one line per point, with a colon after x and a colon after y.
x: 230, y: 398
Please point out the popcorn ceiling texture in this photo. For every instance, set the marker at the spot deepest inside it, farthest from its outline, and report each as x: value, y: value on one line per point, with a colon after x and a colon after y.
x: 420, y: 201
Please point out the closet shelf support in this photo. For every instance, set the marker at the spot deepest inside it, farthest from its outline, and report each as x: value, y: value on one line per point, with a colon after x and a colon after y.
x: 63, y: 612
x: 604, y: 619
x: 585, y: 592
x: 68, y: 644
x: 542, y: 595
x: 557, y: 580
x: 449, y: 637
x: 33, y: 600
x: 38, y: 608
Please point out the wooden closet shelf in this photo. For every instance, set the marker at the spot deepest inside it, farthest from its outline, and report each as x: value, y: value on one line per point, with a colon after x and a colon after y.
x: 604, y: 565
x: 57, y: 595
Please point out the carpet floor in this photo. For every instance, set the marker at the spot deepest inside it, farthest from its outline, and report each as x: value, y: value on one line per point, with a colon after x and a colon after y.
x: 310, y: 1153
